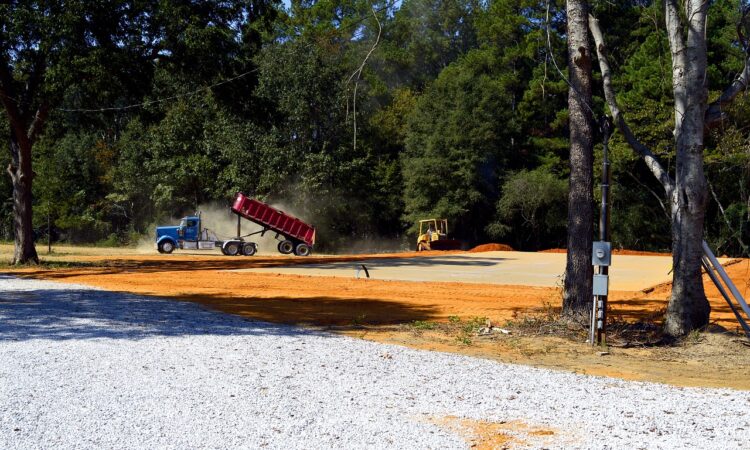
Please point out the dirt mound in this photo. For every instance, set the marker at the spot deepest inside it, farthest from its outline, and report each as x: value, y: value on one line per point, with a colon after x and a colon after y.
x: 491, y: 248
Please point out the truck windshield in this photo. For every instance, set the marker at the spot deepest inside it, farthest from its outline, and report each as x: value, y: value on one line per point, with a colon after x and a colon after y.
x: 183, y: 223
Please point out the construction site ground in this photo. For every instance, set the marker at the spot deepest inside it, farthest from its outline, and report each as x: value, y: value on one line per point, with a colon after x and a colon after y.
x: 431, y: 300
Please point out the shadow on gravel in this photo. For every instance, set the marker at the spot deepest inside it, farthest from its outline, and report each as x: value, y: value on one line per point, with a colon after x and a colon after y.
x: 90, y: 314
x: 61, y: 314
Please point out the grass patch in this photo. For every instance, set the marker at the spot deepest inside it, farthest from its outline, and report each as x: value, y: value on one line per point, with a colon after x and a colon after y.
x: 6, y: 265
x: 468, y: 329
x: 461, y: 331
x: 360, y: 320
x: 423, y: 325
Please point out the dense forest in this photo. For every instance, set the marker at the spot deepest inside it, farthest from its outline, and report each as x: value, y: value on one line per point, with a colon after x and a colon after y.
x: 363, y: 117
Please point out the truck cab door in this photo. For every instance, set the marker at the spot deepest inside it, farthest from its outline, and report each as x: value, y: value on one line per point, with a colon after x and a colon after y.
x: 191, y: 230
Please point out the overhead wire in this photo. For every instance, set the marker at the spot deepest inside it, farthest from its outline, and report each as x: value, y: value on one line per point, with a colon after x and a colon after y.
x: 160, y: 100
x: 551, y: 56
x: 358, y: 74
x: 196, y: 91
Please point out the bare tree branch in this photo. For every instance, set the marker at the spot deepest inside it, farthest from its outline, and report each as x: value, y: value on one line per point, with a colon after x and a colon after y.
x: 9, y: 101
x: 609, y: 94
x: 735, y: 234
x: 38, y: 123
x: 652, y: 192
x: 715, y: 112
x: 36, y: 76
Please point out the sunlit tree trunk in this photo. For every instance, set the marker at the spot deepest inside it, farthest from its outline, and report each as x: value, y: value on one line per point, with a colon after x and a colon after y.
x: 688, y: 307
x: 578, y: 272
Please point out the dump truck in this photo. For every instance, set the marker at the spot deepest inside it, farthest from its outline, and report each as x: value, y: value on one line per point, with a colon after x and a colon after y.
x: 294, y: 235
x: 433, y: 235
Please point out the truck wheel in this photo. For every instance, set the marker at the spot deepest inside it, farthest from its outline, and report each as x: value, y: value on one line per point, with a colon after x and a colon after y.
x: 286, y: 247
x: 166, y: 247
x: 302, y: 250
x: 249, y: 249
x: 231, y: 248
x: 423, y: 246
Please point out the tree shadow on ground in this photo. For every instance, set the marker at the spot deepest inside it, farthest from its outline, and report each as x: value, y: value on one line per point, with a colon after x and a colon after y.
x: 90, y: 314
x: 653, y: 309
x: 165, y: 264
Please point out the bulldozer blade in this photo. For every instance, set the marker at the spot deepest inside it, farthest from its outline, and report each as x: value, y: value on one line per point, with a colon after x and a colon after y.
x: 445, y: 244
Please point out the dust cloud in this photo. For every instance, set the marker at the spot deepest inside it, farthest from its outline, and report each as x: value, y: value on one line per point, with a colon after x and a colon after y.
x: 221, y: 220
x: 218, y: 218
x: 147, y: 242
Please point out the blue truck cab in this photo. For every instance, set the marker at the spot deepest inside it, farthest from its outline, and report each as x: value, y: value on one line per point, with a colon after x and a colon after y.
x: 185, y: 235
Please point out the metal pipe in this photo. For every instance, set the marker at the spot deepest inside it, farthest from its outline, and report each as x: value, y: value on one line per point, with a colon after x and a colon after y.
x: 710, y: 272
x: 604, y: 231
x: 723, y: 274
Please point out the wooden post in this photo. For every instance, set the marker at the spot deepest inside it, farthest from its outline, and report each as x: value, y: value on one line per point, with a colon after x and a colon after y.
x: 49, y: 230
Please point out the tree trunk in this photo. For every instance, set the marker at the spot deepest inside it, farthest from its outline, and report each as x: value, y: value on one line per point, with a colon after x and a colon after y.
x: 578, y: 272
x: 688, y: 307
x: 21, y: 176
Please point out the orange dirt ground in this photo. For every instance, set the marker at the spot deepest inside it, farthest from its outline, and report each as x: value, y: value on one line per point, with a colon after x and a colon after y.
x: 374, y: 309
x: 339, y: 301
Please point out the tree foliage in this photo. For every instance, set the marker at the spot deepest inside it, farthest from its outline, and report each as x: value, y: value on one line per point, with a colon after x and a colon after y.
x: 460, y: 111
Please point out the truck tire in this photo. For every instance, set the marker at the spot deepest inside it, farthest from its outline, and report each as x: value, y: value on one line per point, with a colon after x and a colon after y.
x: 166, y: 247
x: 231, y: 248
x: 286, y: 247
x: 302, y: 250
x: 249, y: 249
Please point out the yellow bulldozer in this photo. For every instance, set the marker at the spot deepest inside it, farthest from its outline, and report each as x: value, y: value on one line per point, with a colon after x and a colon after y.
x: 433, y: 235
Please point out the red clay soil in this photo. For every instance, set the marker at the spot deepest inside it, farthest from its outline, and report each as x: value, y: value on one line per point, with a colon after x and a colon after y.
x: 327, y: 301
x: 491, y: 248
x: 369, y: 309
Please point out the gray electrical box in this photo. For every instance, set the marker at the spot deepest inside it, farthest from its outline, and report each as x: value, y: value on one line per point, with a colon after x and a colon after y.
x: 601, y: 254
x: 601, y: 284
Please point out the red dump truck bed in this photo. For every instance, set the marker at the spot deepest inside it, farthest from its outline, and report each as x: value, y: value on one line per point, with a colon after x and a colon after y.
x: 273, y: 219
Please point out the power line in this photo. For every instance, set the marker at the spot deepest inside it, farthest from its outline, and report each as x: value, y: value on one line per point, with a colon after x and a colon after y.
x: 160, y: 100
x: 188, y: 94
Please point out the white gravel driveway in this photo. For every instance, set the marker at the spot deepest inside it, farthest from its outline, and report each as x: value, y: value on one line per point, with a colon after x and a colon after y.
x: 84, y: 368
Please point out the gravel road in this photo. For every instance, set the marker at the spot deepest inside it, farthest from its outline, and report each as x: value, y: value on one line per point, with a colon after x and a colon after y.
x: 85, y: 368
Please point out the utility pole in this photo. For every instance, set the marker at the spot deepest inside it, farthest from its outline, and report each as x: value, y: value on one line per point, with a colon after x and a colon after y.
x: 602, y: 250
